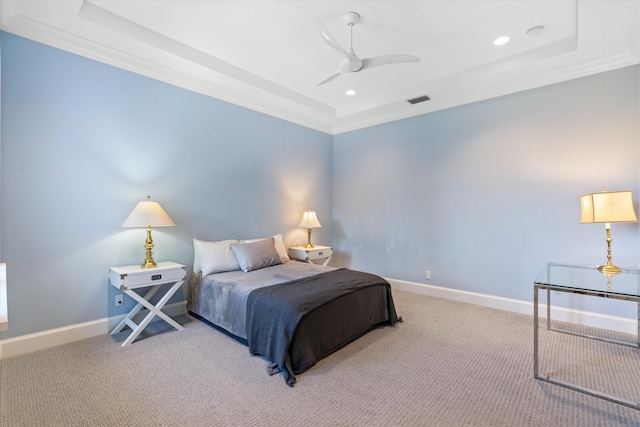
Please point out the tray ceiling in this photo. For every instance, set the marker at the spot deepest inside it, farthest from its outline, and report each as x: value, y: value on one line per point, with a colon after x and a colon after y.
x: 269, y: 55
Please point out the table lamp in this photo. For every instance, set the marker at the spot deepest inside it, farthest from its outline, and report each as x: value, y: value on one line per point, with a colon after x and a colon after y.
x: 607, y: 207
x: 309, y: 221
x: 148, y: 214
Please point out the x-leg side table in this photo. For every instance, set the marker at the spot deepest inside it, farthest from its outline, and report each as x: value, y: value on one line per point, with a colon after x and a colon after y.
x: 134, y: 277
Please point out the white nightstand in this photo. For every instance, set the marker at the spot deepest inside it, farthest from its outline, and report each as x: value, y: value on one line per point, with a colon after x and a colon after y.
x: 302, y: 253
x: 133, y: 277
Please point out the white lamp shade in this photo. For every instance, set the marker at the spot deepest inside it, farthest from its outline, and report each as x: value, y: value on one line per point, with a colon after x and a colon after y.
x: 148, y: 214
x: 309, y: 220
x: 606, y: 207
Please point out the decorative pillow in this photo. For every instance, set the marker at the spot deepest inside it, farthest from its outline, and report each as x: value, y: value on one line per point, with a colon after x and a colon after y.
x: 280, y: 247
x: 213, y: 257
x: 257, y: 254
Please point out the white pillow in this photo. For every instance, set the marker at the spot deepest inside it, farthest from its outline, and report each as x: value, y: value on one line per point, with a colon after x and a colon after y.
x: 280, y: 247
x: 213, y: 257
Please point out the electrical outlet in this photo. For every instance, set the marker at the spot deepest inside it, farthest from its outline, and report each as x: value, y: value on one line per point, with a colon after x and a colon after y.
x: 428, y: 275
x: 119, y: 300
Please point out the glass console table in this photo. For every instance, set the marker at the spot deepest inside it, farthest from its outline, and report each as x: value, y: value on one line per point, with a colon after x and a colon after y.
x: 584, y: 281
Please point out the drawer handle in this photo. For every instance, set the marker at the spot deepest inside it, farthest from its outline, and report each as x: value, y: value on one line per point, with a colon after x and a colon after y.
x: 156, y: 277
x: 319, y: 253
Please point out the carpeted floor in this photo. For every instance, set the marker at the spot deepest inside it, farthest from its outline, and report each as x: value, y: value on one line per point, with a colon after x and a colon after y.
x: 448, y: 364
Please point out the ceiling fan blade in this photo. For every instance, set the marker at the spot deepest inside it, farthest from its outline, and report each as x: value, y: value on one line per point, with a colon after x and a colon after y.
x: 377, y: 61
x: 326, y: 35
x: 333, y: 77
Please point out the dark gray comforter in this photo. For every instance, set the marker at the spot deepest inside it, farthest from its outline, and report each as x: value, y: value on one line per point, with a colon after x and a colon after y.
x: 221, y: 298
x: 295, y: 324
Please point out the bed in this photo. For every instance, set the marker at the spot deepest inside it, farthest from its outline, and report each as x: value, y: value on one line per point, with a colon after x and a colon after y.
x: 291, y: 313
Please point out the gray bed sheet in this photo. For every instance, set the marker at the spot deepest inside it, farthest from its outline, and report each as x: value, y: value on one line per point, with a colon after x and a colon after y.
x: 221, y: 298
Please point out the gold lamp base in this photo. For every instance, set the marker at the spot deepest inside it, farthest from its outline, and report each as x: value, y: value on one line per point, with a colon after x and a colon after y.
x: 609, y: 268
x: 149, y: 262
x: 308, y: 245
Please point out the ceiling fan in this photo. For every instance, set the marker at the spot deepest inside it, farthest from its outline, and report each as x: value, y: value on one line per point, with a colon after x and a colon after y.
x: 351, y: 63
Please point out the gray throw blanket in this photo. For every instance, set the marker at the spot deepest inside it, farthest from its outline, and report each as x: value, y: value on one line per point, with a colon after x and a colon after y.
x: 274, y: 312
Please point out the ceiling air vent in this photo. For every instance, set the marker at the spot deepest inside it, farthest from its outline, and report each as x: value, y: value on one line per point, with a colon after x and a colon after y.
x: 418, y: 99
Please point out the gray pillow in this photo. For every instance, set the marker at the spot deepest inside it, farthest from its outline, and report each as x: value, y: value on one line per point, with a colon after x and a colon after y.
x: 255, y: 255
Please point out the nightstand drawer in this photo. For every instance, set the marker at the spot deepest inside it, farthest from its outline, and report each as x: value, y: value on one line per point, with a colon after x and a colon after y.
x: 303, y: 253
x: 134, y: 276
x: 314, y: 253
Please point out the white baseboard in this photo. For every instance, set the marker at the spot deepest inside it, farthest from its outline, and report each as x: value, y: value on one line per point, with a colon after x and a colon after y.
x: 27, y: 343
x: 597, y: 320
x: 40, y: 340
x: 4, y: 317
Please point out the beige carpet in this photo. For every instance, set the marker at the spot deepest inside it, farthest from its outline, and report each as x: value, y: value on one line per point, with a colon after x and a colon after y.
x: 448, y: 364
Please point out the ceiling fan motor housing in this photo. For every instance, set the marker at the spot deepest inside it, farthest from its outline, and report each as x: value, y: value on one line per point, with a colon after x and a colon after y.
x: 350, y: 64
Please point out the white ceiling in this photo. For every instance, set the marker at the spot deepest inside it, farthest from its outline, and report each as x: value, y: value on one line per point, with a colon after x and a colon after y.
x: 269, y: 56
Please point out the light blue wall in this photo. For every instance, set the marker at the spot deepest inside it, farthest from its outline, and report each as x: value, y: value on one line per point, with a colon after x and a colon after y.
x: 484, y: 194
x: 83, y: 142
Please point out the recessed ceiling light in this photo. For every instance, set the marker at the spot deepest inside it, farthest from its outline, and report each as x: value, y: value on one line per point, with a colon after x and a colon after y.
x: 501, y: 40
x: 350, y: 92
